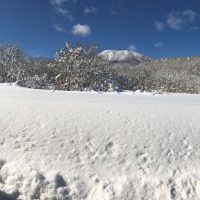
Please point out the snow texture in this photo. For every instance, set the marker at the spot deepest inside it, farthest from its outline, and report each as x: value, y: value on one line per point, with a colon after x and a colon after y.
x: 98, y: 146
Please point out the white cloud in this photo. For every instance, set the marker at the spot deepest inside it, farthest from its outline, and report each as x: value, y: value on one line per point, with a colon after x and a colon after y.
x: 160, y: 26
x: 62, y: 11
x: 65, y: 13
x: 58, y: 2
x: 59, y: 6
x: 81, y: 30
x: 132, y: 47
x: 179, y: 20
x: 192, y: 15
x: 58, y: 28
x: 159, y: 44
x: 90, y: 10
x: 176, y: 21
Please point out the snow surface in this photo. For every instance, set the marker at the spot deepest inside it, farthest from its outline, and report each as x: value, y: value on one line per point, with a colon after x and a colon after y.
x: 98, y: 146
x: 120, y: 55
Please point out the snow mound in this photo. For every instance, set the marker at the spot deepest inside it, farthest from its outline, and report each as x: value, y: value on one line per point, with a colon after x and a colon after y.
x: 25, y: 184
x: 94, y: 146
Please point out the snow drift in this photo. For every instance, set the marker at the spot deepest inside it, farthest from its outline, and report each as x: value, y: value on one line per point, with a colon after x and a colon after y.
x: 98, y: 146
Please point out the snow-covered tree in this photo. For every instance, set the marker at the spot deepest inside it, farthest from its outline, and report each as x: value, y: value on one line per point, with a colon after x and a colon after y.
x: 36, y: 73
x: 11, y: 59
x: 2, y: 73
x: 79, y: 68
x: 165, y: 75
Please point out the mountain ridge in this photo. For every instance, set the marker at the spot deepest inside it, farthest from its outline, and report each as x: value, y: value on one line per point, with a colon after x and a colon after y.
x: 127, y: 58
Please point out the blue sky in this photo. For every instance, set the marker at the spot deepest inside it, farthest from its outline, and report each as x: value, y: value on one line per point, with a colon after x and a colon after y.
x: 156, y: 28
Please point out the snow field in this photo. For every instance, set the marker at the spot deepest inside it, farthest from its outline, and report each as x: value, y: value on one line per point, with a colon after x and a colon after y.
x: 73, y: 145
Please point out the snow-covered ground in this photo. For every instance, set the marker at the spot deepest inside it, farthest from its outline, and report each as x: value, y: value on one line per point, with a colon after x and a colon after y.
x: 98, y: 146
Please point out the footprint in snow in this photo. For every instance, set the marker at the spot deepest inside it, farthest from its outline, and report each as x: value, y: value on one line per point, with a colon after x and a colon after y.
x: 187, y: 150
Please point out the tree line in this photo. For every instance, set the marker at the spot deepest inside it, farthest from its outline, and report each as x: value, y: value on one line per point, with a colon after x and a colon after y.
x: 79, y: 67
x: 75, y: 67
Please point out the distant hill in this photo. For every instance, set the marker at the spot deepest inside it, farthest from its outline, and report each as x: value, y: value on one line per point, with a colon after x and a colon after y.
x: 123, y: 58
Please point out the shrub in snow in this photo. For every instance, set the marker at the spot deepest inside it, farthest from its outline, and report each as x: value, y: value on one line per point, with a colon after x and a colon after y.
x: 37, y: 73
x: 35, y: 82
x: 2, y: 73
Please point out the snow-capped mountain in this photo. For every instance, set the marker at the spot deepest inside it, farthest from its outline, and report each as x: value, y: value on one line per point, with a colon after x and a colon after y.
x: 124, y: 57
x: 121, y: 55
